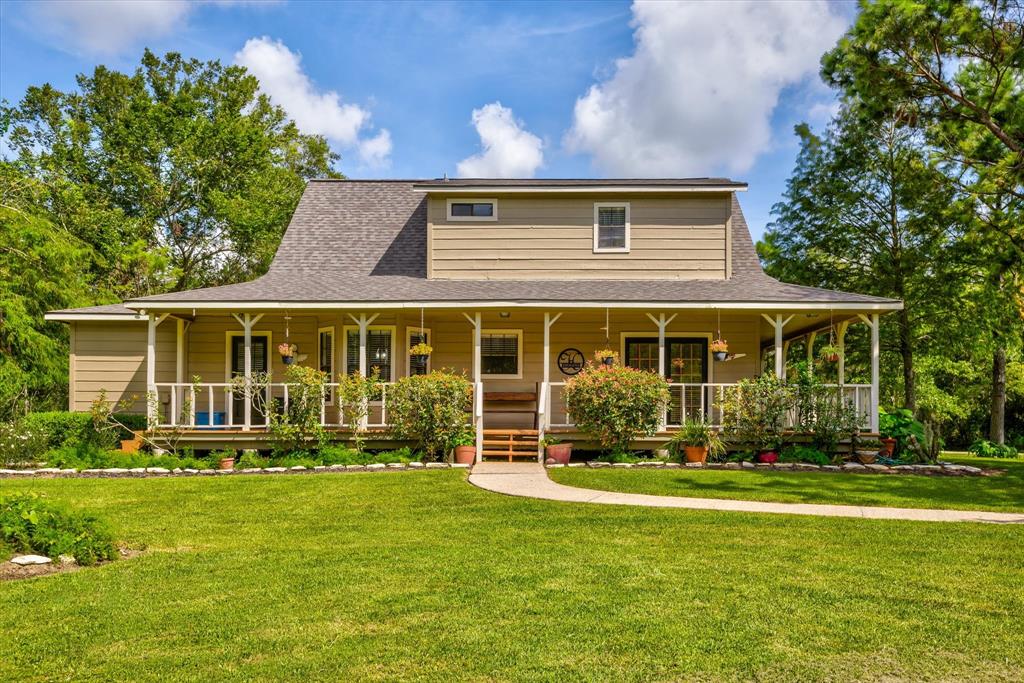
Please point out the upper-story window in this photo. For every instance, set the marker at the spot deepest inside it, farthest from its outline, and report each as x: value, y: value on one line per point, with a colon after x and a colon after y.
x: 611, y: 227
x: 472, y: 209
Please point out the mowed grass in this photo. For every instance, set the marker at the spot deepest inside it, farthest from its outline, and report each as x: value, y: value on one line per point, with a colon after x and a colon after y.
x: 421, y: 576
x: 1001, y: 493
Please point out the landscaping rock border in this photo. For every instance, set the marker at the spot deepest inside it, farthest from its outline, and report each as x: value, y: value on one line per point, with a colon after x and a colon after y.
x: 941, y: 469
x: 139, y: 472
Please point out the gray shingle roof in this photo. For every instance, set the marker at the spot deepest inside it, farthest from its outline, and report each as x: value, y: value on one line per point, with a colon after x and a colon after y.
x: 365, y: 241
x: 682, y: 183
x: 104, y: 309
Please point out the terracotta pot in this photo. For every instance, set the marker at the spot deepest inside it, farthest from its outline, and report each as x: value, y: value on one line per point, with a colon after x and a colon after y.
x: 767, y: 457
x: 720, y: 355
x: 559, y: 452
x: 696, y: 453
x: 832, y: 358
x: 227, y: 463
x: 465, y: 455
x: 130, y: 445
x: 890, y: 446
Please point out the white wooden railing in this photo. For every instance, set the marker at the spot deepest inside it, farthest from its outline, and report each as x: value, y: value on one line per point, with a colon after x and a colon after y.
x: 692, y: 400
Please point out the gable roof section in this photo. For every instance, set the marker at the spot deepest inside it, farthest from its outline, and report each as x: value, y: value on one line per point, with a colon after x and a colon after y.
x: 356, y: 241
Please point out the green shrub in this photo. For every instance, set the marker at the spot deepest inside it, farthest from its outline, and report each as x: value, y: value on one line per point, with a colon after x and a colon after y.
x: 823, y: 412
x: 403, y: 455
x: 342, y: 455
x: 754, y: 413
x: 31, y: 523
x: 21, y: 444
x: 430, y: 409
x: 987, y: 449
x: 899, y: 424
x: 808, y: 454
x: 250, y: 460
x: 616, y: 404
x: 299, y: 426
x: 83, y: 458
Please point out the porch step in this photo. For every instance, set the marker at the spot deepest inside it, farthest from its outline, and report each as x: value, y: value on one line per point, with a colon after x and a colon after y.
x: 510, y: 443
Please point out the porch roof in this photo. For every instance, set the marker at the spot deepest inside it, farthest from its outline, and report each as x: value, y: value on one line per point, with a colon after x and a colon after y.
x: 359, y: 243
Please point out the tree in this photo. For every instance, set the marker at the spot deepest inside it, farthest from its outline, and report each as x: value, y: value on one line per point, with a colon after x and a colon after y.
x: 188, y: 155
x: 959, y: 67
x: 863, y: 210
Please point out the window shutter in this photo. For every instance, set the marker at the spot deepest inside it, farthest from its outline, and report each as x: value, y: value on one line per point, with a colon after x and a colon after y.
x: 327, y: 352
x: 352, y: 352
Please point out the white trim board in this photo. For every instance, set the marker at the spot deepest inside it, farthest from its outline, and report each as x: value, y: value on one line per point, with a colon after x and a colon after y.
x: 755, y: 306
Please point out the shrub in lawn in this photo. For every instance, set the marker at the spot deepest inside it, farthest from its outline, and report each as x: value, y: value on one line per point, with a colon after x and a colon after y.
x: 430, y: 409
x: 808, y: 454
x: 988, y: 449
x: 616, y: 404
x: 21, y: 444
x: 31, y: 523
x: 754, y: 413
x: 299, y: 426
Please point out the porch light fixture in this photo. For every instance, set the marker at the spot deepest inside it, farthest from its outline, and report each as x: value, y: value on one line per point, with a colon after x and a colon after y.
x: 504, y: 314
x: 380, y: 354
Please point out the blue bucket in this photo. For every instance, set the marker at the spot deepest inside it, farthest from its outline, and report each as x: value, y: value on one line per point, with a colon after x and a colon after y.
x: 203, y: 419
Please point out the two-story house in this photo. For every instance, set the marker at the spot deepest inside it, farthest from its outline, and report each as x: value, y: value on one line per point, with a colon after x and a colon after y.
x: 514, y: 282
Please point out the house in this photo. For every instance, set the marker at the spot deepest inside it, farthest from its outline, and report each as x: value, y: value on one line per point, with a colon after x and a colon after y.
x: 515, y: 282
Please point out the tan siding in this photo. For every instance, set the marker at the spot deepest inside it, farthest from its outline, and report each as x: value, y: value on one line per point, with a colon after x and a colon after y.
x: 545, y: 237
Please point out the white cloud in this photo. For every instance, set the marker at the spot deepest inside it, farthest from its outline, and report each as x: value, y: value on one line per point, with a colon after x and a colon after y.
x: 108, y: 27
x: 509, y: 151
x: 697, y: 94
x: 319, y: 112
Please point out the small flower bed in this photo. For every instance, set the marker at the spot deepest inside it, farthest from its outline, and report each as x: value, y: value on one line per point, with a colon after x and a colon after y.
x: 33, y: 524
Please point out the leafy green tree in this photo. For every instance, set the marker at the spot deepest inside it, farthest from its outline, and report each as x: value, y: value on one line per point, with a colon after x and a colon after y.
x: 188, y: 154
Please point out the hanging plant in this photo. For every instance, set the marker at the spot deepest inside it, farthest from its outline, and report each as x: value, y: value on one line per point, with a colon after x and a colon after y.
x: 720, y: 349
x: 420, y: 352
x: 287, y: 352
x: 830, y: 353
x: 606, y: 357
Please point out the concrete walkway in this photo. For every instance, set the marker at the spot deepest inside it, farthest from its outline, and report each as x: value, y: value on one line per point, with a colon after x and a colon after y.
x: 530, y: 480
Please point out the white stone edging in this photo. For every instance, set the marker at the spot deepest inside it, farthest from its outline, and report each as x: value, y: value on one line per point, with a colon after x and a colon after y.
x: 114, y: 472
x: 947, y: 469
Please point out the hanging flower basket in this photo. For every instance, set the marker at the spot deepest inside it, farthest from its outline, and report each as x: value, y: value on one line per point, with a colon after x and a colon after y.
x: 720, y: 349
x: 419, y: 353
x: 287, y: 352
x: 606, y: 357
x: 830, y: 353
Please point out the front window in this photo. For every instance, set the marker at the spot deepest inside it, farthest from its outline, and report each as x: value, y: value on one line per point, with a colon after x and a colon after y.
x: 501, y: 353
x: 611, y: 227
x: 378, y: 352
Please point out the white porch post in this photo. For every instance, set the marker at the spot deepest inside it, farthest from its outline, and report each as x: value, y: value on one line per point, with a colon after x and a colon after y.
x: 872, y: 322
x: 478, y: 395
x: 545, y: 388
x: 841, y: 345
x: 810, y: 351
x: 152, y: 397
x: 364, y: 326
x: 662, y: 323
x: 780, y: 350
x: 179, y: 365
x: 247, y: 322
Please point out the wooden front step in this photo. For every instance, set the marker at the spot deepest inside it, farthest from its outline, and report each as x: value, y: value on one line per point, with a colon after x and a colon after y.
x: 510, y: 443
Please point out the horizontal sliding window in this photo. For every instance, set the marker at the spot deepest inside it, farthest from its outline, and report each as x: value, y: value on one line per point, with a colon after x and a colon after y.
x: 472, y: 209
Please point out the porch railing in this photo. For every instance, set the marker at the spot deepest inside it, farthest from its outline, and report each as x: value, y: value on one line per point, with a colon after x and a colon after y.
x: 691, y: 400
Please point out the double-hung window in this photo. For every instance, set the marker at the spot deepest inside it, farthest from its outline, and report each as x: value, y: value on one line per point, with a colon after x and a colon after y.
x: 611, y: 227
x: 379, y: 351
x: 501, y: 353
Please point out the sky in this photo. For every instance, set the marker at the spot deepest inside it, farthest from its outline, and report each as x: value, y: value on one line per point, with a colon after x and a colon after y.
x: 480, y: 89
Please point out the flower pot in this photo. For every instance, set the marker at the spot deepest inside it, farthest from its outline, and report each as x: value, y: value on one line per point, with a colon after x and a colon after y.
x: 465, y: 455
x: 866, y: 457
x: 767, y: 457
x: 832, y: 358
x: 890, y: 446
x: 696, y: 453
x: 720, y: 355
x: 287, y: 360
x: 130, y: 445
x: 559, y: 452
x: 227, y: 463
x: 608, y: 361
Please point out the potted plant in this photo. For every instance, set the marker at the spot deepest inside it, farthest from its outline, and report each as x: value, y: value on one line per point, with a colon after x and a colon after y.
x: 697, y: 440
x: 464, y: 445
x: 830, y: 353
x: 225, y: 459
x: 555, y: 450
x: 720, y: 349
x: 287, y: 352
x: 420, y: 352
x: 896, y: 427
x: 606, y: 357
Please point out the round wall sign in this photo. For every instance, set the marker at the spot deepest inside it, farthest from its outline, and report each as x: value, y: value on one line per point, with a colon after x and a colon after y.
x: 570, y: 361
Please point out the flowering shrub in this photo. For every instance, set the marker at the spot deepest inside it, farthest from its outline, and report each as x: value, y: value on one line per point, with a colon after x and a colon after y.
x: 21, y: 444
x: 430, y: 409
x: 616, y: 404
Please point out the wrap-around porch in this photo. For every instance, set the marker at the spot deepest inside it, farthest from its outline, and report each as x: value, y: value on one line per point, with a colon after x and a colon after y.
x: 518, y: 360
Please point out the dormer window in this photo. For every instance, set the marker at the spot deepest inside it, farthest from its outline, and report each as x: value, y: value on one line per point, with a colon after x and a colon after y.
x: 472, y: 210
x: 611, y: 227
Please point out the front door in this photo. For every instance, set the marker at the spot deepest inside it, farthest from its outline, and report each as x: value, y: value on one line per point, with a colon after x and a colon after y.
x: 686, y: 362
x: 260, y: 345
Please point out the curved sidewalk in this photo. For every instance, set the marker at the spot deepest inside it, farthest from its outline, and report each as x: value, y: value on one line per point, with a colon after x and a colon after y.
x: 530, y: 480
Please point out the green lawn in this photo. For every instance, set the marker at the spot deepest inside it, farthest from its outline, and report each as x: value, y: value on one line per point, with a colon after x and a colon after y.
x: 421, y: 576
x: 1003, y: 493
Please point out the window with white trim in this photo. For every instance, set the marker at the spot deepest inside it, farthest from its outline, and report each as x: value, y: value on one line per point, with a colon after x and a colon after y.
x: 379, y: 351
x: 472, y: 209
x: 416, y: 336
x: 501, y: 353
x: 325, y: 356
x: 611, y: 227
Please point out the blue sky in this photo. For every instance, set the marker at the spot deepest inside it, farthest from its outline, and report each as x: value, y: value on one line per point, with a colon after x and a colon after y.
x: 581, y: 89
